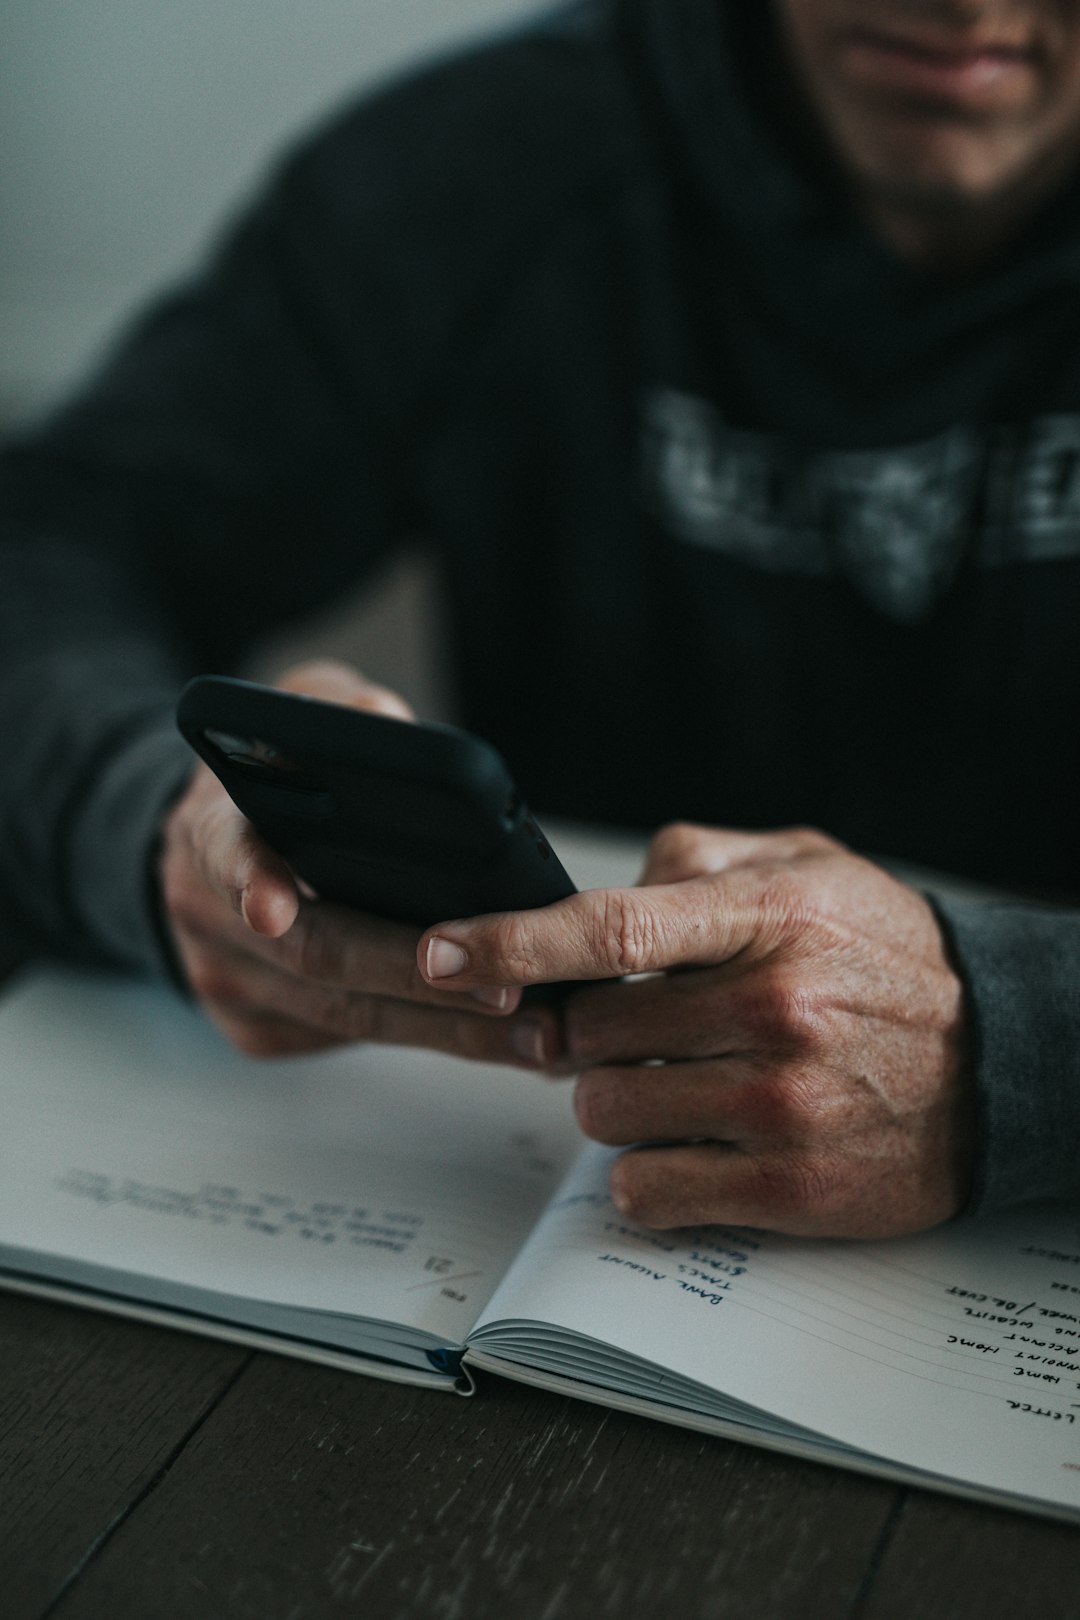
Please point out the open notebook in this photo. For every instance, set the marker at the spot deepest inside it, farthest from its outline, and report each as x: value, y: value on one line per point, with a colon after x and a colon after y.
x: 415, y: 1218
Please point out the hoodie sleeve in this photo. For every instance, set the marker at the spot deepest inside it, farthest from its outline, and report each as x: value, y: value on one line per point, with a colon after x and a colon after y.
x: 240, y: 459
x: 1021, y: 967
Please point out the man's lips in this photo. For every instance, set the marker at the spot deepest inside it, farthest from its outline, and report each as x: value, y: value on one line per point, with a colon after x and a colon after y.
x: 968, y: 77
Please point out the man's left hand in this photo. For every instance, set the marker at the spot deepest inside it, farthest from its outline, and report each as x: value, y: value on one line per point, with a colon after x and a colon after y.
x: 797, y: 1058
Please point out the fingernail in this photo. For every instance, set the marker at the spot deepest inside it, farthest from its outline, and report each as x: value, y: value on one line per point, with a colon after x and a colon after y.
x: 444, y: 959
x: 499, y: 999
x: 528, y: 1042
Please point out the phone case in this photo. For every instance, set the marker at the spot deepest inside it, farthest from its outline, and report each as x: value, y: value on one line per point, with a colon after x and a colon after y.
x: 421, y: 823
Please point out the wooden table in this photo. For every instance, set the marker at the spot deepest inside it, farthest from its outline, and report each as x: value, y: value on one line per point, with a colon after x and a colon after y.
x: 157, y: 1475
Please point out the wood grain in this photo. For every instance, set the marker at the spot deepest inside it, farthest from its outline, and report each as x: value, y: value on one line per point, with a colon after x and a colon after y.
x: 91, y: 1409
x: 951, y: 1560
x: 147, y: 1474
x: 309, y: 1494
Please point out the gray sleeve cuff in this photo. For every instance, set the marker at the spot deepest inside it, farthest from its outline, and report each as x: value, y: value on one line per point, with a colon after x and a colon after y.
x: 1021, y: 969
x: 115, y: 844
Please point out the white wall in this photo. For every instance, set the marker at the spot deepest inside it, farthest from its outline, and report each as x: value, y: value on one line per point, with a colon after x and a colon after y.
x: 128, y: 127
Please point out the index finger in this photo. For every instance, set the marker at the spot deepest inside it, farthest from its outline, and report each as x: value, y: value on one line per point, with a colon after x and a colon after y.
x: 600, y: 934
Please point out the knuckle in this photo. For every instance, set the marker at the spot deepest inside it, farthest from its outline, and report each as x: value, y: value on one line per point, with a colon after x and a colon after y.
x: 787, y: 1106
x: 679, y: 844
x: 626, y: 934
x: 595, y: 1107
x: 781, y: 1013
x: 318, y: 677
x: 801, y: 1021
x: 511, y: 946
x: 782, y: 900
x: 344, y: 1015
x: 405, y: 982
x: 469, y: 1035
x: 314, y: 949
x: 799, y: 1186
x: 314, y: 669
x: 472, y: 1036
x: 363, y: 1018
x: 585, y: 1038
x: 383, y: 701
x: 339, y: 682
x: 810, y: 838
x: 211, y: 982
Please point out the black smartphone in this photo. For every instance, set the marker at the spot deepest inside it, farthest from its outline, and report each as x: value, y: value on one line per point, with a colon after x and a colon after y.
x: 421, y: 823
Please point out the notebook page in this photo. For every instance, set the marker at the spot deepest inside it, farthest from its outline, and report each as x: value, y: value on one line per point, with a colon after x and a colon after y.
x: 956, y: 1352
x: 383, y: 1183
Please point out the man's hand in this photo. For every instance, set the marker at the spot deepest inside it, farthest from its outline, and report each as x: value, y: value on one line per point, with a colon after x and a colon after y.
x: 798, y: 1059
x: 281, y: 972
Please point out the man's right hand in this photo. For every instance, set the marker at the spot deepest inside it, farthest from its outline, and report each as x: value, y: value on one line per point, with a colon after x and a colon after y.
x: 280, y: 971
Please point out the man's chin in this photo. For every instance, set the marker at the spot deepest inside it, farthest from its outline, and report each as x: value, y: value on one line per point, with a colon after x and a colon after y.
x: 933, y: 197
x: 940, y: 180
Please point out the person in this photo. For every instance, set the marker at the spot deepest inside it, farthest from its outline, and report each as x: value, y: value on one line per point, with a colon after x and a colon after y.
x: 725, y: 353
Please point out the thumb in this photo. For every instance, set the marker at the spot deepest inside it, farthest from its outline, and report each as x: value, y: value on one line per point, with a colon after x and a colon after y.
x: 336, y: 682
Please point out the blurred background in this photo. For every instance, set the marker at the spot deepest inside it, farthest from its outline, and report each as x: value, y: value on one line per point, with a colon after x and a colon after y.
x: 129, y: 129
